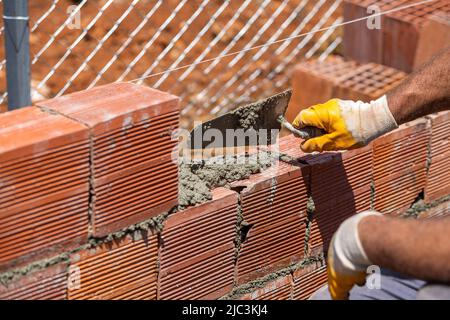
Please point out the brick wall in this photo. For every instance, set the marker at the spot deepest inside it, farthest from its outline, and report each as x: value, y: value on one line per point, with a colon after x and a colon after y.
x: 263, y: 237
x: 89, y: 183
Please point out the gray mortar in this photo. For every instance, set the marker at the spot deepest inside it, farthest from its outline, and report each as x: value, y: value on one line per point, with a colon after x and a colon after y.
x: 419, y: 207
x: 372, y: 195
x: 248, y: 116
x: 307, y: 236
x: 198, y: 178
x: 310, y: 208
x: 238, y: 236
x: 261, y: 282
x: 155, y: 223
x: 9, y: 276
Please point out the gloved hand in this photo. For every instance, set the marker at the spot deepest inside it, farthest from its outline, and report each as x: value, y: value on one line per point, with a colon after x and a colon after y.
x: 349, y: 124
x: 347, y: 261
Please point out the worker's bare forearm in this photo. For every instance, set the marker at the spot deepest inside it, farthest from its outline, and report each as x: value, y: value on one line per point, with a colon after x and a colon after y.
x: 423, y: 92
x: 419, y: 248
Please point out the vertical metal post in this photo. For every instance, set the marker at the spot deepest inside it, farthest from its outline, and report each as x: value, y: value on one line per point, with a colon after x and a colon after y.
x: 17, y: 47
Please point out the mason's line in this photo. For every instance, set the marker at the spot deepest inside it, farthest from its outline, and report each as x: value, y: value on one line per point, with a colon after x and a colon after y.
x: 280, y: 40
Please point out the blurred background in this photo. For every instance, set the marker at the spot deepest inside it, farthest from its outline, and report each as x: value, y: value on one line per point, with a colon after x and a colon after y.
x: 76, y: 45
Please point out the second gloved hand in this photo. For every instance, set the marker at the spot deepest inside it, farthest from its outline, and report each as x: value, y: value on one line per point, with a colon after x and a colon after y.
x: 347, y: 261
x: 349, y: 124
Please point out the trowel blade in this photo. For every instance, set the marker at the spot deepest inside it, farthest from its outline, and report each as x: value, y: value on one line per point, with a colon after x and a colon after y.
x: 254, y: 124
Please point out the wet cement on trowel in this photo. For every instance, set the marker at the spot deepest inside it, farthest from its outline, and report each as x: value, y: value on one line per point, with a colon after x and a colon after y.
x: 197, y: 178
x: 248, y: 116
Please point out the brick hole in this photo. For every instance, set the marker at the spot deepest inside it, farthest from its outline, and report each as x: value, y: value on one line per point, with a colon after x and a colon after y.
x: 244, y: 230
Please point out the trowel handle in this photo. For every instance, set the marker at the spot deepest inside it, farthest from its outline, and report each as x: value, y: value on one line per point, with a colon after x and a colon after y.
x: 310, y: 132
x: 304, y: 133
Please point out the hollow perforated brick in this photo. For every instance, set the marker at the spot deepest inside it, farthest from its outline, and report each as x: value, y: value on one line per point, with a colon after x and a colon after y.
x: 317, y: 81
x: 278, y: 289
x: 438, y: 178
x: 133, y: 174
x: 47, y: 284
x: 403, y: 39
x: 369, y: 81
x: 274, y: 209
x: 307, y: 280
x: 346, y: 175
x: 312, y: 82
x: 44, y: 189
x: 340, y: 185
x: 123, y: 269
x: 399, y: 160
x: 326, y: 220
x: 197, y: 250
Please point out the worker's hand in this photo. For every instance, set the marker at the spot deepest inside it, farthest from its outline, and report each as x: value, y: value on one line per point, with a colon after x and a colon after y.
x: 349, y: 124
x: 347, y: 262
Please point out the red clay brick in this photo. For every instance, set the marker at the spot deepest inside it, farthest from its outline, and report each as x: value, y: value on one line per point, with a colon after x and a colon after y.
x: 361, y: 46
x: 346, y: 175
x: 405, y: 40
x: 134, y: 176
x: 46, y: 284
x: 274, y: 206
x: 123, y: 269
x: 434, y: 31
x: 326, y: 220
x: 308, y: 280
x: 44, y: 172
x: 317, y: 81
x: 438, y: 179
x: 278, y: 289
x: 340, y: 187
x: 400, y: 166
x: 406, y: 29
x: 313, y: 82
x: 197, y: 251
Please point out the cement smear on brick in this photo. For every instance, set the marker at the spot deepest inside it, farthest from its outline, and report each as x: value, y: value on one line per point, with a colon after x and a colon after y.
x: 261, y: 282
x: 199, y: 177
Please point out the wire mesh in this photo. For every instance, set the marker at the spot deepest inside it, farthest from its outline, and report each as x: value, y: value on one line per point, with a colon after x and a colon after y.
x: 78, y: 44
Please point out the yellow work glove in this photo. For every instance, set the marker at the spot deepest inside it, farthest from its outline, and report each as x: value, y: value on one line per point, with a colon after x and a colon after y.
x: 347, y: 261
x: 349, y: 124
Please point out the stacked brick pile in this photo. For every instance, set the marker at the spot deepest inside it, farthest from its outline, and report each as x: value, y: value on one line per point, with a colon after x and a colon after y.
x: 406, y: 38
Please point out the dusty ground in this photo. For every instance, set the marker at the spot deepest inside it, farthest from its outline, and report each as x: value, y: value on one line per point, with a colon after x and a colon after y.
x: 195, y: 106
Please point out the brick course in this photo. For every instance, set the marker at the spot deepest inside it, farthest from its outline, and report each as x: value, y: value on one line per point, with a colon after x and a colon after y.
x: 197, y: 250
x: 133, y: 175
x: 44, y: 171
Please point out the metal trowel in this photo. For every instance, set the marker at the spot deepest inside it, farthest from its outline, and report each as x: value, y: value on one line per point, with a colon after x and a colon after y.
x: 257, y: 123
